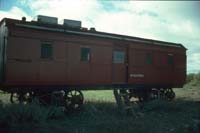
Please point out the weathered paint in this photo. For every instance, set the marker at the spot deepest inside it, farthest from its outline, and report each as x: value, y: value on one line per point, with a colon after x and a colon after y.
x: 25, y: 67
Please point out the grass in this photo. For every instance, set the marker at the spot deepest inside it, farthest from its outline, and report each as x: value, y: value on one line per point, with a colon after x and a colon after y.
x: 100, y: 114
x: 102, y: 95
x: 14, y: 115
x: 156, y: 117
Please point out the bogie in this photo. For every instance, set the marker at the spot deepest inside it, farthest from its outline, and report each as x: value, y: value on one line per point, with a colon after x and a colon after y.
x: 71, y: 100
x: 152, y: 94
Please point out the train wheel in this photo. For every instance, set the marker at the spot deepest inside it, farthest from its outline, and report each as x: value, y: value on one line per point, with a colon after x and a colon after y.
x: 20, y: 98
x: 144, y: 96
x: 154, y: 94
x: 170, y: 94
x: 14, y: 98
x: 73, y: 100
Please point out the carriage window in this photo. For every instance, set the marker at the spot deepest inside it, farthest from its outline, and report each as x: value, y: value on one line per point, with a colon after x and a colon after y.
x: 46, y: 51
x: 85, y: 54
x: 149, y: 58
x: 170, y: 59
x: 118, y: 57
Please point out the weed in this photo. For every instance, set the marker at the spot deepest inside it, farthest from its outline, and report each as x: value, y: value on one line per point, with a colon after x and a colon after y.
x: 15, y: 114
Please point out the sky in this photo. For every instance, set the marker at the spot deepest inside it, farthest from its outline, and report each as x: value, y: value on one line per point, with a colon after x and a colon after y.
x: 172, y: 21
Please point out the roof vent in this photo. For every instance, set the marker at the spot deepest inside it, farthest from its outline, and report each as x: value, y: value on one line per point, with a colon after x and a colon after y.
x: 84, y: 29
x: 23, y: 19
x: 72, y: 23
x: 92, y: 29
x: 47, y: 19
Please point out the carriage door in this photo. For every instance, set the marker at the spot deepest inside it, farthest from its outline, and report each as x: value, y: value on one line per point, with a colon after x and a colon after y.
x: 119, y: 63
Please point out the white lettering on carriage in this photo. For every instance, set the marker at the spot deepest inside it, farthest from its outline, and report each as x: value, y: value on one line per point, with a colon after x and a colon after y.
x: 136, y: 75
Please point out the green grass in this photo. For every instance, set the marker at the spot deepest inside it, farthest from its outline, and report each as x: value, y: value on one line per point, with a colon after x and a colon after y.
x: 4, y: 97
x: 100, y: 114
x: 102, y: 95
x: 156, y: 117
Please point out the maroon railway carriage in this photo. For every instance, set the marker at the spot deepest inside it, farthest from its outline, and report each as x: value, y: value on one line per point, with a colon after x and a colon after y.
x: 42, y: 57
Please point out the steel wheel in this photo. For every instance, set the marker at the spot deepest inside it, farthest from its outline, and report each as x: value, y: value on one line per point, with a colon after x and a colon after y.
x: 154, y: 94
x: 20, y: 98
x: 73, y: 100
x: 170, y: 94
x: 14, y: 98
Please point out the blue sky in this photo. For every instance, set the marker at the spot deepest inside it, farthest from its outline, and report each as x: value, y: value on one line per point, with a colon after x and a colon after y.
x: 174, y: 21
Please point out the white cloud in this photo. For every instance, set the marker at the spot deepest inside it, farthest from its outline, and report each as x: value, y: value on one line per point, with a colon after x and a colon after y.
x: 80, y: 10
x: 194, y: 63
x: 125, y: 23
x: 15, y: 13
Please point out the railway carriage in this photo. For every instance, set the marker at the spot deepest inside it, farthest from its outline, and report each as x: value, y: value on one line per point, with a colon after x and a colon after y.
x: 45, y: 59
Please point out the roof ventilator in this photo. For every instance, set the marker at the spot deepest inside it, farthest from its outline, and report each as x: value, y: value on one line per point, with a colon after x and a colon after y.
x: 72, y: 23
x: 46, y: 19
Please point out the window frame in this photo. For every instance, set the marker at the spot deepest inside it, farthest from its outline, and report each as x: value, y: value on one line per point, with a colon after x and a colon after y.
x: 117, y: 61
x: 44, y: 51
x: 170, y: 59
x: 82, y: 58
x: 149, y: 58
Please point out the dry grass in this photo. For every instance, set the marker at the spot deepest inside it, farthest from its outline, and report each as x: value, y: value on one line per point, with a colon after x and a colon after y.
x: 100, y: 114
